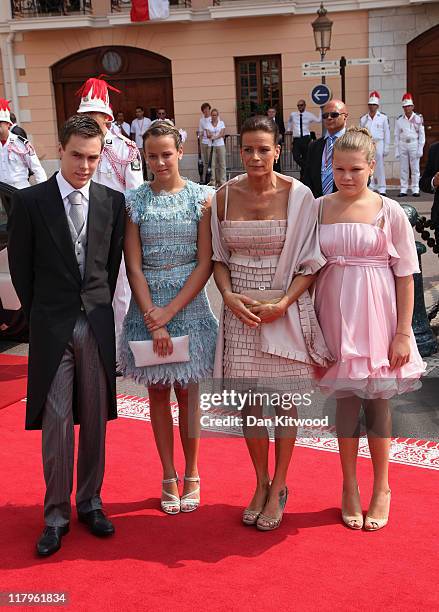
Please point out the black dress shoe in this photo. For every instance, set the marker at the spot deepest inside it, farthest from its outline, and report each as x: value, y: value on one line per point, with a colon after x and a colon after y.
x: 50, y: 540
x: 402, y: 195
x: 97, y: 522
x: 416, y: 195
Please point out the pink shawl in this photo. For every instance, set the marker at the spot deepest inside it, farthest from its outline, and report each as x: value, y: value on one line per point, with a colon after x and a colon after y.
x: 297, y: 335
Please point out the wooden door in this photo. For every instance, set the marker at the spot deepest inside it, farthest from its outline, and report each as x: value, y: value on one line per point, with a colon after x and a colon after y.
x: 423, y: 81
x: 258, y: 85
x: 144, y: 78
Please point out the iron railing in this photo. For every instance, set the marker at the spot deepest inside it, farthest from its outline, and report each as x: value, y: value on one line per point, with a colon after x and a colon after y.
x: 233, y: 156
x: 44, y: 8
x: 125, y: 5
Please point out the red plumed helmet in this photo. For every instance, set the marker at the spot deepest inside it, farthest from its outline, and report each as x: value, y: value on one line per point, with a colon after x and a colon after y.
x: 5, y: 114
x: 374, y: 98
x: 95, y: 98
x: 407, y: 99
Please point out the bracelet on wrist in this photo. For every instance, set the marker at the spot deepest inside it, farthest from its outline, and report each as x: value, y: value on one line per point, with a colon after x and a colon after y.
x: 402, y: 334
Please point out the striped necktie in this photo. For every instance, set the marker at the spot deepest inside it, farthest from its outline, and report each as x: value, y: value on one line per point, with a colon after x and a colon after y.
x: 327, y: 176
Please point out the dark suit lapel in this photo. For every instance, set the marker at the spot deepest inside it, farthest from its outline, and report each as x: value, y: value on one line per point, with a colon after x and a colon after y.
x: 54, y: 215
x: 99, y: 218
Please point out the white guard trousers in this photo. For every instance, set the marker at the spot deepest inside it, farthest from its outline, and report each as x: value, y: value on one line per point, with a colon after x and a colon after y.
x: 121, y: 301
x: 409, y: 161
x: 379, y: 176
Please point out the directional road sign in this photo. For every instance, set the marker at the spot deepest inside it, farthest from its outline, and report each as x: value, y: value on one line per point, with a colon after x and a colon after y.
x: 321, y: 94
x: 324, y: 64
x: 364, y: 61
x: 316, y: 72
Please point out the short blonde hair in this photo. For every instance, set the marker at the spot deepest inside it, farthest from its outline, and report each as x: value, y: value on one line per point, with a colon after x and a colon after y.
x: 163, y: 127
x: 357, y: 139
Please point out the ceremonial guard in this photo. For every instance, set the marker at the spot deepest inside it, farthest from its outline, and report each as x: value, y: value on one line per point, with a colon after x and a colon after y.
x: 120, y: 168
x: 17, y: 155
x: 409, y: 145
x: 378, y: 125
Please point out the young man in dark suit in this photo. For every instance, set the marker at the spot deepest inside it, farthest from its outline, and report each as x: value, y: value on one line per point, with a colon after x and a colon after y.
x: 65, y: 247
x: 429, y: 183
x: 318, y: 171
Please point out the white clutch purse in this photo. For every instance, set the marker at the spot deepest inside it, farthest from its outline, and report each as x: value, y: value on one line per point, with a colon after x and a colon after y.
x: 145, y: 356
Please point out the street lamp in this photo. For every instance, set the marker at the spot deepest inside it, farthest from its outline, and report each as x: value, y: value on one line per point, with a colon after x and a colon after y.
x: 322, y: 29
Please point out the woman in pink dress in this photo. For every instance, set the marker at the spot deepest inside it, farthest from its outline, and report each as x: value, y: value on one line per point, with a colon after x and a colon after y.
x: 364, y: 302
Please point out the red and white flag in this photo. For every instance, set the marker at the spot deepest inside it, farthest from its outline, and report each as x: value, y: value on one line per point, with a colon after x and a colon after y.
x: 146, y: 10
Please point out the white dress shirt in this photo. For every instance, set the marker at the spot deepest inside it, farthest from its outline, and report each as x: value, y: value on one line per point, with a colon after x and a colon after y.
x: 293, y: 124
x: 116, y: 128
x: 66, y: 189
x: 138, y: 128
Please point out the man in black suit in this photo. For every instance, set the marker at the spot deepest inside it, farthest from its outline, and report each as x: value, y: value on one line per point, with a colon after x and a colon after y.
x: 318, y: 171
x: 272, y: 114
x: 429, y: 183
x: 65, y: 247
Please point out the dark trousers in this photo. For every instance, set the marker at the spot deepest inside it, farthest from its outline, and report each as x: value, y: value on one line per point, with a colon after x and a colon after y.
x: 300, y: 151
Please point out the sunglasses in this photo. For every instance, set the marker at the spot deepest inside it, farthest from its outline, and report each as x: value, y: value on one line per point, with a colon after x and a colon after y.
x: 333, y: 115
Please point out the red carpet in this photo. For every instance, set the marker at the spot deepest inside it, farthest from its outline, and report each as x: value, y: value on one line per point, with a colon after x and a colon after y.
x: 207, y: 560
x: 13, y: 379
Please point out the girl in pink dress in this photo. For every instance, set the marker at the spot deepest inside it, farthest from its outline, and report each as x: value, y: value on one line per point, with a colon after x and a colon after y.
x: 364, y: 302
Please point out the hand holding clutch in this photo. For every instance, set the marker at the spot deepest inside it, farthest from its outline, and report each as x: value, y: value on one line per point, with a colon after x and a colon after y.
x: 268, y: 306
x: 163, y: 349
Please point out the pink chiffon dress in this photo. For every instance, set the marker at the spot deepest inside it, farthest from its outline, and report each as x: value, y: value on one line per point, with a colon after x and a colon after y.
x: 355, y: 303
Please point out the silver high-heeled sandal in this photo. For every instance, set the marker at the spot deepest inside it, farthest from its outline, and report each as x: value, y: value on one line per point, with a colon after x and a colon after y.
x: 250, y: 517
x: 171, y: 506
x: 188, y: 503
x: 269, y: 523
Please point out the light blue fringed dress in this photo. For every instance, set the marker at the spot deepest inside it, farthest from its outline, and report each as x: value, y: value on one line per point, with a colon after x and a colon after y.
x: 168, y: 225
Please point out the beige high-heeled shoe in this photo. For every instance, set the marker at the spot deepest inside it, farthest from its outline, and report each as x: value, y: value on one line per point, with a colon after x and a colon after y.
x: 353, y: 521
x: 373, y: 524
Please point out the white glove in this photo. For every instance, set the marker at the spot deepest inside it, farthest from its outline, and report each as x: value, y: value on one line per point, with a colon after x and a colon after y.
x: 396, y: 153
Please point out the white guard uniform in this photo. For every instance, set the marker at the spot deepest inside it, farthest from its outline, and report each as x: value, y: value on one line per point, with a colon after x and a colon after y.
x: 17, y: 157
x: 409, y: 146
x: 379, y: 127
x: 120, y: 168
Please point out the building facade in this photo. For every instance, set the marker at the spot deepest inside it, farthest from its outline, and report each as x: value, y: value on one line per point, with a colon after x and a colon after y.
x: 239, y: 55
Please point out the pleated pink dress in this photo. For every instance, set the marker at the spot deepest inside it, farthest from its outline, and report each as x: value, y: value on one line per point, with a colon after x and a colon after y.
x: 356, y: 304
